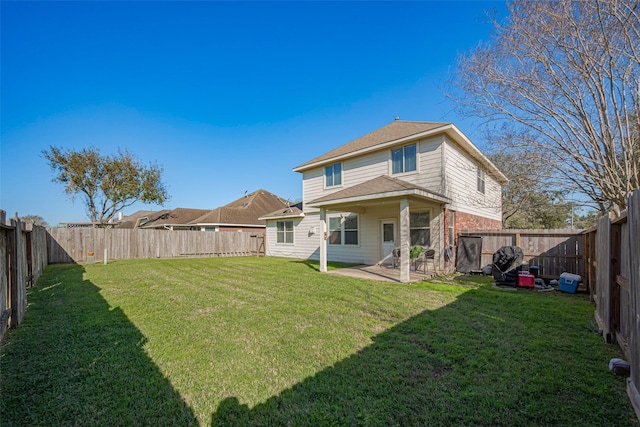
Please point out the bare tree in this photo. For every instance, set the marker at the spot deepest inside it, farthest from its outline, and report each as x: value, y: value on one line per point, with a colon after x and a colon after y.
x: 570, y: 73
x: 528, y: 201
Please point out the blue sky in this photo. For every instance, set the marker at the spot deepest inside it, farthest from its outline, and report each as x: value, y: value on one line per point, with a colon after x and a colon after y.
x: 227, y: 97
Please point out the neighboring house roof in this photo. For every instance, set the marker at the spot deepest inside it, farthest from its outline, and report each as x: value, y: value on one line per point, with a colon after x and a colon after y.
x: 179, y: 217
x: 246, y: 211
x: 400, y: 131
x: 294, y: 211
x: 376, y: 189
x: 140, y: 217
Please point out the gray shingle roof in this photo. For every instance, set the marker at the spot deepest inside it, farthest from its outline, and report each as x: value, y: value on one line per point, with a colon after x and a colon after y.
x: 377, y: 187
x: 244, y: 211
x: 395, y: 130
x: 175, y: 217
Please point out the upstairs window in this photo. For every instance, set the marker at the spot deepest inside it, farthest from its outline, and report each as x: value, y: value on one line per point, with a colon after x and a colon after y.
x: 481, y: 178
x: 284, y: 232
x: 333, y: 175
x: 403, y: 159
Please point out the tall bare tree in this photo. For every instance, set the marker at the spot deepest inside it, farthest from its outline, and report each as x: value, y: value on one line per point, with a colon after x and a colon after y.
x: 528, y: 201
x: 106, y: 183
x: 568, y: 71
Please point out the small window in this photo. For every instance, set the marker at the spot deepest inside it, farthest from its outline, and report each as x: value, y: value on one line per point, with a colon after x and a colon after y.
x: 343, y: 230
x: 333, y: 175
x: 420, y: 228
x: 403, y: 159
x: 284, y: 232
x: 481, y: 179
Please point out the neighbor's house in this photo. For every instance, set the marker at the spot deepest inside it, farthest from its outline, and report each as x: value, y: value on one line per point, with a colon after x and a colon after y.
x: 405, y: 184
x: 242, y: 214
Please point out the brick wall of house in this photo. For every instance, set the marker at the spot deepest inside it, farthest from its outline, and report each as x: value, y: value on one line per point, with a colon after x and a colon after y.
x: 465, y: 221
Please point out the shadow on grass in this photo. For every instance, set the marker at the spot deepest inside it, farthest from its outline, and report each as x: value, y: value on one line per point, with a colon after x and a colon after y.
x: 76, y: 361
x: 488, y: 358
x: 331, y: 265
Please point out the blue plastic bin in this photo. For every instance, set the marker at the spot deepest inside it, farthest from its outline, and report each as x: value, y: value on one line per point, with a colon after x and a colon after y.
x: 569, y: 282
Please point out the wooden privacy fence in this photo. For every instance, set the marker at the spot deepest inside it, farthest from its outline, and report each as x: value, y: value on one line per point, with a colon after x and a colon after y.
x: 23, y: 256
x: 553, y: 251
x: 75, y: 244
x: 613, y: 271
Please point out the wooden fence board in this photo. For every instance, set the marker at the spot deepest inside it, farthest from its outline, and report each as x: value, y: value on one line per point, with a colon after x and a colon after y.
x: 633, y: 260
x: 73, y: 244
x: 554, y: 251
x: 603, y: 291
x: 22, y: 260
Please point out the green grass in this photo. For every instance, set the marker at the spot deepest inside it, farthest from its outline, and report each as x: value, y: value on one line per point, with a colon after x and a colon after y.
x: 267, y: 341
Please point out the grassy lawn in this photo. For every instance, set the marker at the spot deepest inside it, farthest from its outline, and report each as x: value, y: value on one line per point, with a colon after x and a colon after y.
x: 267, y: 341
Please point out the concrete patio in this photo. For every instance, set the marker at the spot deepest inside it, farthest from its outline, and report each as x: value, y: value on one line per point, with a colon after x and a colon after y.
x: 383, y: 273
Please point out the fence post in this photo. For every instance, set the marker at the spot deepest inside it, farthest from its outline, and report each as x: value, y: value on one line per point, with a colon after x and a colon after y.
x: 633, y: 220
x: 603, y: 283
x: 18, y: 273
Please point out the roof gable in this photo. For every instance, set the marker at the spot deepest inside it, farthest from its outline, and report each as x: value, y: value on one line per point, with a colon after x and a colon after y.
x: 244, y: 211
x: 394, y: 131
x: 400, y: 131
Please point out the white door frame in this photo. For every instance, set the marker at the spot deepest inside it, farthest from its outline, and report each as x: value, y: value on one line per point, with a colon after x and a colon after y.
x: 384, y: 221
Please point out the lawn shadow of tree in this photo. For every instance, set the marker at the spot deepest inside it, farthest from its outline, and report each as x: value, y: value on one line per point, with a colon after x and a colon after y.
x: 475, y: 361
x: 81, y: 362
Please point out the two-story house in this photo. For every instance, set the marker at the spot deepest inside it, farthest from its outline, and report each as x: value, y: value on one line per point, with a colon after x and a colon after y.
x: 405, y: 184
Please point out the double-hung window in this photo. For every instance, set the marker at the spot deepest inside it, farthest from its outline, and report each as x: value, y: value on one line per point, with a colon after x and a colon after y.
x: 284, y: 232
x: 333, y: 175
x: 481, y: 179
x: 419, y: 228
x: 343, y: 230
x: 403, y: 159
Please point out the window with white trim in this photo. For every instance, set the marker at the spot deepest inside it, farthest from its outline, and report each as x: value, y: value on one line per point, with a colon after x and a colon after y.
x: 284, y: 232
x: 333, y: 175
x: 481, y: 181
x: 420, y: 228
x: 403, y: 159
x: 343, y: 230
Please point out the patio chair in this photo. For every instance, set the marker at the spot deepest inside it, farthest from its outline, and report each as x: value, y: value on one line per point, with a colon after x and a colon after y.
x: 396, y: 257
x: 427, y: 256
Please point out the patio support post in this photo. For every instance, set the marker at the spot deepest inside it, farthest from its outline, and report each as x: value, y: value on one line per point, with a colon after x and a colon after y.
x: 323, y: 240
x: 405, y: 245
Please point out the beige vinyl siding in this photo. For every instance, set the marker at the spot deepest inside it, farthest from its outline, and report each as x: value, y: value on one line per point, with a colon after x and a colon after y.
x: 354, y: 171
x: 429, y: 165
x: 366, y: 167
x: 313, y: 187
x: 304, y: 244
x: 460, y: 185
